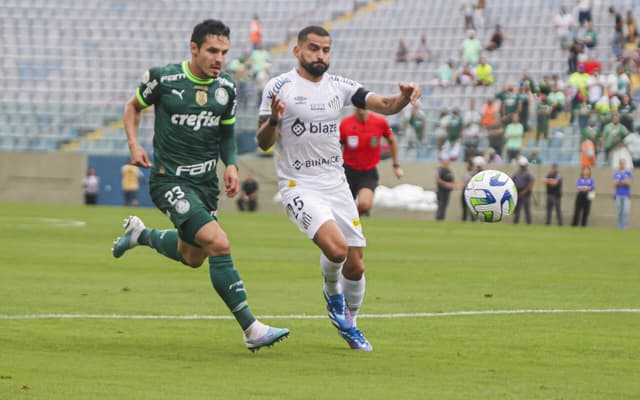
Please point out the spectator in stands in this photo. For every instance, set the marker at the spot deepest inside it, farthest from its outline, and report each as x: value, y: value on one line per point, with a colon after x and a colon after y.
x: 470, y: 48
x: 441, y: 129
x: 585, y: 193
x: 595, y: 86
x: 524, y: 181
x: 452, y: 146
x: 619, y: 82
x: 564, y: 24
x: 622, y: 179
x: 574, y: 52
x: 492, y: 157
x: 131, y: 179
x: 468, y: 8
x: 557, y: 101
x: 509, y: 103
x: 584, y: 11
x: 470, y: 136
x: 588, y: 148
x: 613, y: 134
x: 446, y: 74
x: 627, y: 109
x: 418, y: 125
x: 496, y: 39
x: 402, y: 53
x: 490, y: 121
x: 445, y: 183
x: 543, y: 114
x: 465, y: 75
x: 259, y: 59
x: 255, y: 32
x: 553, y: 182
x: 524, y: 100
x: 479, y: 14
x: 484, y: 73
x: 513, y: 133
x: 618, y: 36
x: 590, y: 37
x: 534, y: 157
x: 630, y: 25
x: 525, y: 79
x: 632, y: 141
x: 248, y: 199
x: 91, y: 185
x: 423, y: 53
x: 545, y: 85
x: 583, y: 113
x: 243, y: 77
x: 605, y: 107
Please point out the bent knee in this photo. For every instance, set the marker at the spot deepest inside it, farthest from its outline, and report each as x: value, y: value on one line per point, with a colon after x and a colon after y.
x: 336, y: 252
x: 216, y: 247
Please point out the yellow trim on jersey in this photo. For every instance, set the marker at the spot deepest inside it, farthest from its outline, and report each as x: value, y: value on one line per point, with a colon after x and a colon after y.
x: 192, y: 77
x: 140, y: 99
x: 229, y: 121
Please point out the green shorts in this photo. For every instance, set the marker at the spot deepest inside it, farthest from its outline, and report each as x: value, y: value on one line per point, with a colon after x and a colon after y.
x: 189, y: 206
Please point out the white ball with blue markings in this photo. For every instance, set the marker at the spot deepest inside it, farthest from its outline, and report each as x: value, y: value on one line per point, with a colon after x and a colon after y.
x: 491, y: 195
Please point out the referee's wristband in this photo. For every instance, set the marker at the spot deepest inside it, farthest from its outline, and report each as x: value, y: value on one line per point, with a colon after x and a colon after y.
x: 396, y: 165
x: 273, y: 121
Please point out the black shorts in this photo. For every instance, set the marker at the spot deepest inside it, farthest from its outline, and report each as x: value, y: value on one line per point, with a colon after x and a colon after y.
x: 361, y: 179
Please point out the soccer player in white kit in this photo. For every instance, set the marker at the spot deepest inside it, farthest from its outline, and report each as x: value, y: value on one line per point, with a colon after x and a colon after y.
x: 300, y: 114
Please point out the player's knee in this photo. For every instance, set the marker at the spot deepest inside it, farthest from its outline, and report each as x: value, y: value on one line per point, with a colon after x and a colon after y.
x: 353, y: 269
x: 336, y: 252
x: 216, y: 246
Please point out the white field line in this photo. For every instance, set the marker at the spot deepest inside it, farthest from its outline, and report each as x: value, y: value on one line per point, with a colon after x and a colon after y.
x: 302, y: 316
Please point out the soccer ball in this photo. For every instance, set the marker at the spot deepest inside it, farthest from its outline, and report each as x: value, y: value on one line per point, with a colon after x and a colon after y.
x: 491, y: 195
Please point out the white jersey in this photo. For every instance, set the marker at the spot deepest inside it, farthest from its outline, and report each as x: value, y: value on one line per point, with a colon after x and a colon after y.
x: 308, y: 151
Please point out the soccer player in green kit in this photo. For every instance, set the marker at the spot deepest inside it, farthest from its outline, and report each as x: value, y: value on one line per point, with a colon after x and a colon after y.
x: 195, y: 108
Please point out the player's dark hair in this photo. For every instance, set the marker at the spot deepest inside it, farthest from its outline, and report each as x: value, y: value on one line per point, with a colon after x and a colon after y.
x: 209, y: 27
x: 316, y: 30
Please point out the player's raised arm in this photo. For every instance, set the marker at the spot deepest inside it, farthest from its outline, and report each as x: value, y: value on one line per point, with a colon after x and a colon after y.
x: 132, y: 115
x: 387, y: 105
x: 268, y: 126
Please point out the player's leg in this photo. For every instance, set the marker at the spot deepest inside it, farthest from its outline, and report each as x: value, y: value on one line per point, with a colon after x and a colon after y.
x: 354, y: 282
x: 365, y: 201
x: 164, y: 241
x: 204, y: 238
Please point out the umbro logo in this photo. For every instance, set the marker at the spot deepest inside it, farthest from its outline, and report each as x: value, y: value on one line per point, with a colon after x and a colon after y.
x: 179, y: 94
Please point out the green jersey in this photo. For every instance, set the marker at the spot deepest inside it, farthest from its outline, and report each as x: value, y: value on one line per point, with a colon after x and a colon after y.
x: 194, y: 120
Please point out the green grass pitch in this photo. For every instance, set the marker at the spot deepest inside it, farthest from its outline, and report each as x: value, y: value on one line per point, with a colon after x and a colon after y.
x: 50, y: 264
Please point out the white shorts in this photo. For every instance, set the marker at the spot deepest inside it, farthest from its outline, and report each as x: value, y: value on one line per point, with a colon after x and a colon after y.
x: 309, y: 209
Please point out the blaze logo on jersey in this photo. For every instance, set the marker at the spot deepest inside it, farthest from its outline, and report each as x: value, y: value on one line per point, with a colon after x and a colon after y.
x: 196, y: 121
x: 298, y: 127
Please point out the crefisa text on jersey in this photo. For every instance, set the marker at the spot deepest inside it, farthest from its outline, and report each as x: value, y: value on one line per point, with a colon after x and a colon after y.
x: 196, y: 121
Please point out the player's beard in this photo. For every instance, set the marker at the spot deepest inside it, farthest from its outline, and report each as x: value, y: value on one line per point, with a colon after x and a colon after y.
x: 316, y: 69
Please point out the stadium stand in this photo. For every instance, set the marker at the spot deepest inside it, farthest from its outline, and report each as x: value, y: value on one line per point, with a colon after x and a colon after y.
x: 68, y: 66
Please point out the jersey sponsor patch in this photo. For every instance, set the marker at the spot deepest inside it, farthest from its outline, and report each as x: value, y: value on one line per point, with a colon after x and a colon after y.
x: 201, y: 97
x: 352, y: 141
x: 146, y: 76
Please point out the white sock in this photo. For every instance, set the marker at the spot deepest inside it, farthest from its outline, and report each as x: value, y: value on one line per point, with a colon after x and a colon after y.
x: 353, y: 294
x: 255, y: 330
x: 331, y: 273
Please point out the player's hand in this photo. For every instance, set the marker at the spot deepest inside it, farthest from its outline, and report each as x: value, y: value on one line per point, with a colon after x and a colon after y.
x: 139, y: 156
x: 277, y: 107
x: 411, y: 91
x: 231, y: 180
x: 399, y: 173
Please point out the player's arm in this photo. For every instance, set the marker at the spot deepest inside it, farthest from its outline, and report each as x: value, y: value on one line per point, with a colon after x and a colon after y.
x: 269, y: 125
x: 387, y: 105
x: 132, y: 116
x: 393, y: 146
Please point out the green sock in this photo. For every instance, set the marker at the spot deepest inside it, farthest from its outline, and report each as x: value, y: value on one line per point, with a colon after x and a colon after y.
x: 163, y: 241
x: 226, y: 281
